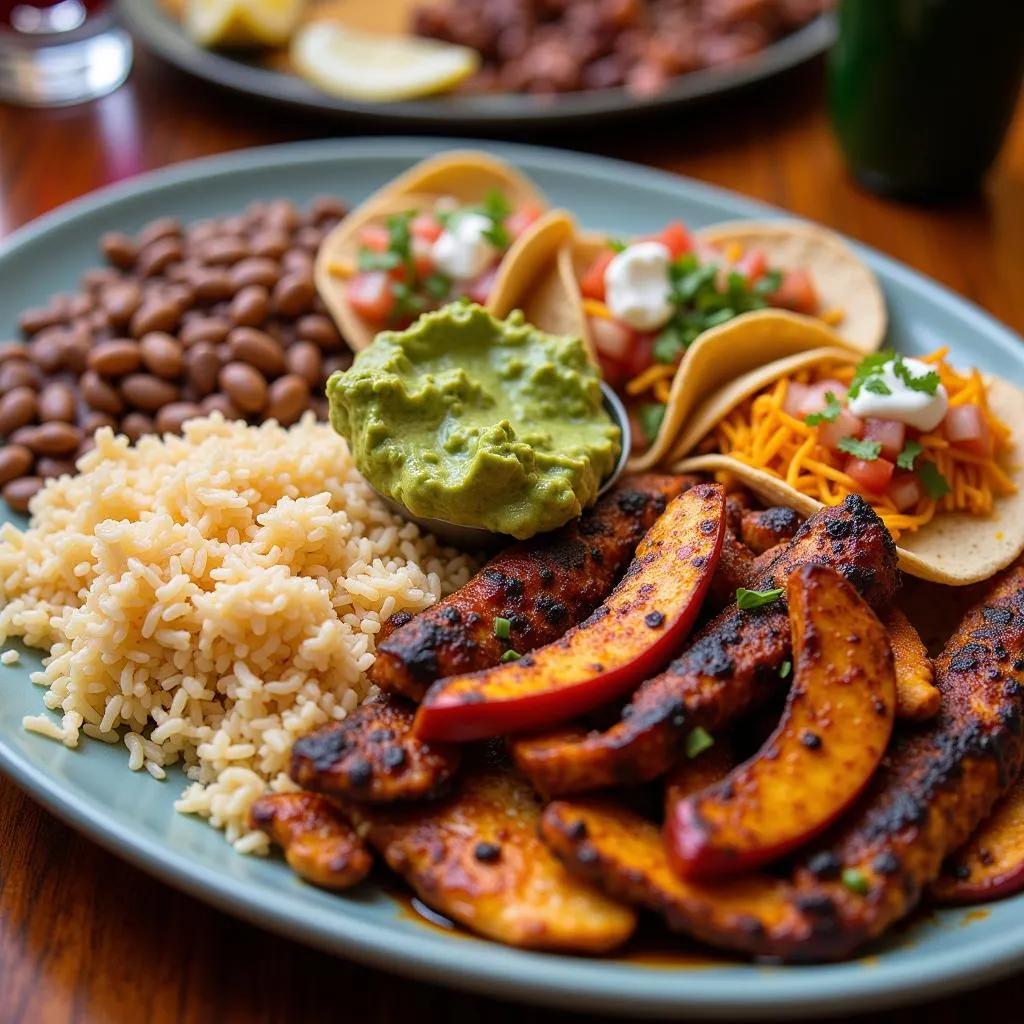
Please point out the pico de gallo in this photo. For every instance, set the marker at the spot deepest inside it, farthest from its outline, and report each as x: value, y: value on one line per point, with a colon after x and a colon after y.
x: 913, y: 436
x: 647, y: 301
x: 420, y: 260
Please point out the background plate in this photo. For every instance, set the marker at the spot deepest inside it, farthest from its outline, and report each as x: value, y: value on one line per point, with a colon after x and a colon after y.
x: 164, y: 36
x: 133, y: 816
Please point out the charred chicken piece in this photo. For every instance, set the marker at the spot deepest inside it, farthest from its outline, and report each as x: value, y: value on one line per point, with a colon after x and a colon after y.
x: 319, y: 845
x: 937, y: 783
x: 372, y: 756
x: 540, y: 587
x: 731, y: 666
x: 476, y: 857
x: 761, y: 529
x: 917, y: 697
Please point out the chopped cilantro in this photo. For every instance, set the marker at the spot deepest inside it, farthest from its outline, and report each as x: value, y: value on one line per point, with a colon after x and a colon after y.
x: 399, y: 235
x: 927, y: 382
x: 877, y: 386
x: 511, y: 656
x: 768, y: 283
x: 911, y: 450
x: 496, y: 209
x: 697, y: 741
x: 502, y: 628
x: 827, y: 415
x: 669, y: 345
x: 935, y: 484
x: 870, y: 366
x: 650, y: 415
x: 437, y: 286
x: 747, y: 600
x: 370, y: 260
x: 616, y: 245
x: 856, y: 881
x: 785, y: 668
x: 866, y: 450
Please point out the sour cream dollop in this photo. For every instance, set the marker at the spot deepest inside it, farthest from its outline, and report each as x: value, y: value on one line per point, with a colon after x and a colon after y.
x: 915, y: 408
x: 637, y: 287
x: 462, y: 250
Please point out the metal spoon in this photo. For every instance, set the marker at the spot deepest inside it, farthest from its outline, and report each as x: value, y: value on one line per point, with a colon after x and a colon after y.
x: 476, y: 536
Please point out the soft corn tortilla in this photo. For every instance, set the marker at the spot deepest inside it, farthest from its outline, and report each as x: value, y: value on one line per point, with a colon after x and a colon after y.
x: 841, y: 280
x: 728, y: 353
x: 467, y: 176
x: 954, y: 548
x: 748, y: 341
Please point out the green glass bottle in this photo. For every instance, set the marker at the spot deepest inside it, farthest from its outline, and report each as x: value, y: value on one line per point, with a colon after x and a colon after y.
x: 923, y: 91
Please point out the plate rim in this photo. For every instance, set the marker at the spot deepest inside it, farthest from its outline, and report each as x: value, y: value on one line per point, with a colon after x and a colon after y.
x: 485, y: 967
x: 158, y: 33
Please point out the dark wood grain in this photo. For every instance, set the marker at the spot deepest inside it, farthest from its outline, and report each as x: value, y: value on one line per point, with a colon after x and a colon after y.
x: 83, y: 937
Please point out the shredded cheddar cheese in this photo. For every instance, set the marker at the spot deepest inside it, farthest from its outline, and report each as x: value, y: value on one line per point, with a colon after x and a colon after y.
x: 342, y: 267
x: 761, y: 434
x: 594, y: 307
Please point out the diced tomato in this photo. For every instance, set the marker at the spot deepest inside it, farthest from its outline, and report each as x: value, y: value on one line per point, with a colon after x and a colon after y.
x: 751, y: 265
x: 641, y: 355
x: 592, y: 282
x: 796, y: 292
x: 816, y: 395
x: 375, y: 237
x: 966, y: 428
x: 612, y: 339
x: 522, y: 218
x: 891, y: 434
x: 369, y: 294
x: 872, y: 476
x: 844, y: 425
x: 479, y: 291
x: 675, y: 238
x: 905, y: 491
x: 796, y: 399
x: 425, y: 227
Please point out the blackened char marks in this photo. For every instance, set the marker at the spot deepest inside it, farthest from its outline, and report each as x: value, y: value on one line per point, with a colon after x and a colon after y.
x: 373, y: 757
x: 542, y: 587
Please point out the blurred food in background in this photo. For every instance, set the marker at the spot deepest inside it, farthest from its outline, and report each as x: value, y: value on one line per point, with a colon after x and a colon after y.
x: 388, y: 50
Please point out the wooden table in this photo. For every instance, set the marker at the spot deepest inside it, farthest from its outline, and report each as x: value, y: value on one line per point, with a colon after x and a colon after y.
x: 85, y: 938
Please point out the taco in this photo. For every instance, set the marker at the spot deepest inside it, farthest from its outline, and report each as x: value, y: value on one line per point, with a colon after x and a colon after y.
x: 642, y: 306
x: 937, y: 451
x: 453, y: 226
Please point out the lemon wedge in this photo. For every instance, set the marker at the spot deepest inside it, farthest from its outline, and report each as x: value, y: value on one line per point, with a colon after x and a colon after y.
x: 378, y: 68
x: 242, y: 22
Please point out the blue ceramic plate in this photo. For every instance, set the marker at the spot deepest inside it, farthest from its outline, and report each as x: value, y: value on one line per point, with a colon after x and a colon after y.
x: 495, y: 113
x: 132, y: 815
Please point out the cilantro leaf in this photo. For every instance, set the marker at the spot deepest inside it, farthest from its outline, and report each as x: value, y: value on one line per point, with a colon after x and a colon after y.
x: 785, y: 668
x: 510, y: 656
x: 370, y: 260
x: 670, y: 344
x: 616, y: 245
x: 866, y: 450
x: 697, y: 741
x: 856, y: 881
x: 877, y: 386
x: 928, y: 383
x: 746, y: 600
x: 870, y: 366
x: 768, y: 283
x: 437, y: 285
x: 911, y: 450
x: 650, y: 415
x: 827, y: 415
x: 935, y: 484
x: 502, y: 627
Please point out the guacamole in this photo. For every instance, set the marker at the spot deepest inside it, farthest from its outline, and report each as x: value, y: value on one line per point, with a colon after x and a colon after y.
x: 478, y: 421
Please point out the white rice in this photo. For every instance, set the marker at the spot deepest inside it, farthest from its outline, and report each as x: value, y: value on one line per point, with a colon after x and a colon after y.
x: 206, y: 599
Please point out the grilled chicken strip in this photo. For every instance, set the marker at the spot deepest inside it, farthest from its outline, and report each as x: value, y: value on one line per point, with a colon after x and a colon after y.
x: 937, y: 783
x: 319, y: 845
x: 476, y: 857
x: 735, y: 569
x: 372, y: 756
x: 732, y: 665
x: 761, y: 529
x: 542, y: 587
